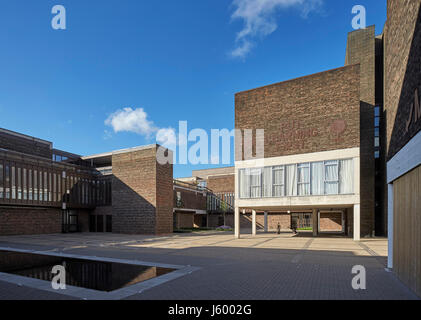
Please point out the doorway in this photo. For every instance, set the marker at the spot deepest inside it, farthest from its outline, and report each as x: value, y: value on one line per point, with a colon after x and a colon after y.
x: 70, y: 221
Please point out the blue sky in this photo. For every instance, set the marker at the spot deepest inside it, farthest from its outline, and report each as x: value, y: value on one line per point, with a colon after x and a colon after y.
x: 177, y: 60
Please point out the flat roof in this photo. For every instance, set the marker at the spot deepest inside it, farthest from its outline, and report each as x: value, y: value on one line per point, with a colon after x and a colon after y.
x: 27, y: 137
x: 105, y: 159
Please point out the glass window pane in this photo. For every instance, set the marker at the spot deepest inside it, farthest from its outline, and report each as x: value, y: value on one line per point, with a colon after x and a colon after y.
x: 13, y: 182
x: 244, y: 184
x: 7, y: 181
x: 25, y: 190
x: 291, y: 180
x: 278, y: 182
x: 346, y: 181
x: 256, y: 183
x: 267, y: 182
x: 317, y: 180
x: 30, y: 185
x: 36, y: 185
x: 303, y: 179
x: 331, y: 177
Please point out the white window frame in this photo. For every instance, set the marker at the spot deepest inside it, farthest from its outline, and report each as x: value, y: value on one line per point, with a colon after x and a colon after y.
x: 282, y: 185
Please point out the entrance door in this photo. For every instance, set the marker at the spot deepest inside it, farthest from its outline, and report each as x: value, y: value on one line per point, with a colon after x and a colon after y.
x: 70, y: 221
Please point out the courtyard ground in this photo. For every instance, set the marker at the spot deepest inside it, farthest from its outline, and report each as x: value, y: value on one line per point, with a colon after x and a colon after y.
x: 268, y: 266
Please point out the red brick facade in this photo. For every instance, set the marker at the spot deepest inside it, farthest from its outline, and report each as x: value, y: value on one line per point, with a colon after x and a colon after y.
x: 316, y: 113
x: 142, y: 193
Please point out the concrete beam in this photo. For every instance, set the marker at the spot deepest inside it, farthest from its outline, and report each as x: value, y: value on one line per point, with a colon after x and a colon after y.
x: 357, y: 223
x: 237, y: 222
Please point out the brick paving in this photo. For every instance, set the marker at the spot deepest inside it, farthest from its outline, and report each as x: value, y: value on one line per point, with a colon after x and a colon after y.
x: 268, y: 266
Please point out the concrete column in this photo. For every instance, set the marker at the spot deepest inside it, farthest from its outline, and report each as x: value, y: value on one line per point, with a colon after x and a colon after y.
x: 266, y: 222
x: 254, y: 223
x: 390, y: 225
x: 315, y: 222
x: 357, y: 223
x: 237, y: 223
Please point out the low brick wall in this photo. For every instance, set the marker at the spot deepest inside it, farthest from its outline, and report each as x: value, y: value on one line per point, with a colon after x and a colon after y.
x: 26, y: 221
x: 283, y: 219
x: 330, y: 222
x: 184, y: 220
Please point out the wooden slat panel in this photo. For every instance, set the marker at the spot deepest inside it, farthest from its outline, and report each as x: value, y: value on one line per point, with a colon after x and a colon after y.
x: 407, y: 229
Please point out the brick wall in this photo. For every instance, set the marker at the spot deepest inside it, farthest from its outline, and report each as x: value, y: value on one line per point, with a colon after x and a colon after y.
x: 184, y: 220
x: 283, y: 219
x: 142, y: 193
x: 25, y: 221
x: 330, y: 222
x: 222, y: 184
x: 164, y: 199
x: 304, y: 115
x: 190, y: 199
x: 402, y: 61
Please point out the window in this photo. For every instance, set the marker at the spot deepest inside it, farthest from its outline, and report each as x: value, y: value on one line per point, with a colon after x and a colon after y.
x: 35, y: 185
x: 291, y: 180
x: 1, y: 181
x: 40, y: 187
x: 267, y: 182
x: 278, y: 181
x: 245, y: 183
x: 19, y: 183
x: 346, y: 176
x: 303, y: 179
x: 202, y: 184
x: 256, y: 183
x: 45, y: 186
x: 7, y: 181
x: 377, y: 115
x: 317, y: 179
x: 25, y: 186
x: 13, y: 182
x: 331, y: 177
x: 30, y: 185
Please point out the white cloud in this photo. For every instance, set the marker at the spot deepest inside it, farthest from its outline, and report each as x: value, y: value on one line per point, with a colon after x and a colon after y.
x: 136, y: 121
x: 167, y: 137
x: 259, y: 17
x: 131, y: 120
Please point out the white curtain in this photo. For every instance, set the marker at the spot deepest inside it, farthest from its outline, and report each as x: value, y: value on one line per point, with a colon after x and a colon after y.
x: 256, y: 183
x: 317, y: 180
x: 331, y: 177
x: 245, y: 184
x: 346, y: 176
x: 304, y: 179
x: 278, y: 182
x: 291, y: 180
x: 267, y: 182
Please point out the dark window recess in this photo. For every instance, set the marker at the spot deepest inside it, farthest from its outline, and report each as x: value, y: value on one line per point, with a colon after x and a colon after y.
x: 92, y: 223
x: 100, y: 224
x: 109, y: 223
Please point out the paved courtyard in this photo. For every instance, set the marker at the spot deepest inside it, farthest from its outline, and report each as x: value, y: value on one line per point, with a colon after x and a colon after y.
x: 268, y: 266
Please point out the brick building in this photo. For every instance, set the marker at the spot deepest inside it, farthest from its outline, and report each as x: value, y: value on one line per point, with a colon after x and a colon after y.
x: 211, y: 192
x: 402, y: 114
x: 321, y: 147
x: 44, y: 190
